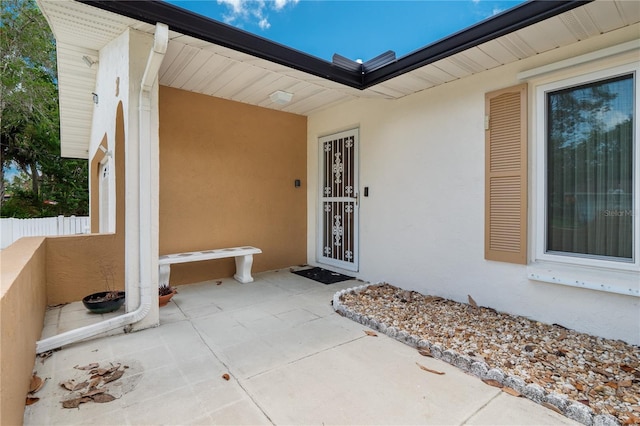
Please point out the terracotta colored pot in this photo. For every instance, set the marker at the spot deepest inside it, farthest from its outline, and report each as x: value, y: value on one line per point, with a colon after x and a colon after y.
x: 163, y: 300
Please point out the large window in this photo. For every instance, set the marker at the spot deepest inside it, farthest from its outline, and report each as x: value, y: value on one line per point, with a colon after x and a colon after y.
x: 591, y: 169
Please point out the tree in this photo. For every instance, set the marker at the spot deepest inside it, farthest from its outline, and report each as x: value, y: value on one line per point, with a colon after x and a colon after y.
x: 29, y: 117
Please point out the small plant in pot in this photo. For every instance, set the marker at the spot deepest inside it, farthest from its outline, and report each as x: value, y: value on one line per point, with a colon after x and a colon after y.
x: 165, y: 293
x: 105, y: 301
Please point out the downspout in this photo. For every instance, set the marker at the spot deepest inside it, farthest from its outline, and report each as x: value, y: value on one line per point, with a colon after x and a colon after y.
x: 156, y: 55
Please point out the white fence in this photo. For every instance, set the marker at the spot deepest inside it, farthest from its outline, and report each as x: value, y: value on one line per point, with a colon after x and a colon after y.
x: 12, y: 229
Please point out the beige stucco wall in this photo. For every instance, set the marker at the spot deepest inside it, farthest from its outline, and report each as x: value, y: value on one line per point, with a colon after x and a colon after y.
x: 75, y: 264
x: 22, y: 307
x: 227, y: 173
x: 422, y: 226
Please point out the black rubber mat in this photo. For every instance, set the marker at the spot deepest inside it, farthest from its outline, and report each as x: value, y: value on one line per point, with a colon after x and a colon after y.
x: 322, y: 275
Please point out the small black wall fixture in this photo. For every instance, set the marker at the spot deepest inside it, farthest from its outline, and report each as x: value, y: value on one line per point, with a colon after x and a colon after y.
x: 296, y: 183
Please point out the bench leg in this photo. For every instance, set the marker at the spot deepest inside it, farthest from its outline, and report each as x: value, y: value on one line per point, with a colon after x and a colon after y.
x: 243, y: 268
x: 163, y: 275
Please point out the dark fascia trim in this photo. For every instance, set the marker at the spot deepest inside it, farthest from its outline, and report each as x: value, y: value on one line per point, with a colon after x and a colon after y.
x: 507, y: 22
x: 188, y: 23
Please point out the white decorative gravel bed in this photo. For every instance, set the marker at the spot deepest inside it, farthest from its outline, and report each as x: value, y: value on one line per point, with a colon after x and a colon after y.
x: 592, y: 380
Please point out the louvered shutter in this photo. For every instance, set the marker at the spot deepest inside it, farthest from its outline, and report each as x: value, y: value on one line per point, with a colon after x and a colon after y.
x: 506, y: 175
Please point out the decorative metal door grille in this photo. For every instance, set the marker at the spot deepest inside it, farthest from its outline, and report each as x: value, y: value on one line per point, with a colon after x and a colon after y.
x: 339, y: 200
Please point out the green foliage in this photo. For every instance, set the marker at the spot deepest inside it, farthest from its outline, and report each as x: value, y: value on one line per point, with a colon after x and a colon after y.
x: 29, y: 118
x: 21, y: 205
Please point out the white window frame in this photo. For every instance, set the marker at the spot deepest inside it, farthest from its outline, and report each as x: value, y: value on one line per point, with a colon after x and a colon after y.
x: 540, y: 203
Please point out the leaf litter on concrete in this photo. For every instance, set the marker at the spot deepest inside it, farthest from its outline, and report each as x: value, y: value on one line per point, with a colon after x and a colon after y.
x: 94, y: 387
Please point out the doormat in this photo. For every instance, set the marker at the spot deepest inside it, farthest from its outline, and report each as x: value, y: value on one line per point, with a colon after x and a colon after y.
x: 322, y: 275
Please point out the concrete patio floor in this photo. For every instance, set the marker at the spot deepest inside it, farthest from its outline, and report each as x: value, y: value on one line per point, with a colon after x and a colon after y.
x: 291, y: 360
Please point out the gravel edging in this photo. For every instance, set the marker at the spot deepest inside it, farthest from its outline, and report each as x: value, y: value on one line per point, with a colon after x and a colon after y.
x: 573, y: 410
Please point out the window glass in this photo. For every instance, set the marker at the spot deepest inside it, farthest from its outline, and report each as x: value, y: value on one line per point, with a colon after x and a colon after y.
x: 590, y: 169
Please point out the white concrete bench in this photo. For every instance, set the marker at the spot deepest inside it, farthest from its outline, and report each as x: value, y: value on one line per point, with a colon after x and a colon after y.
x: 243, y: 255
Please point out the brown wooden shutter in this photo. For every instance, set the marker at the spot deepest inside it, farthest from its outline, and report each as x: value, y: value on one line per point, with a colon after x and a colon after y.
x: 506, y: 175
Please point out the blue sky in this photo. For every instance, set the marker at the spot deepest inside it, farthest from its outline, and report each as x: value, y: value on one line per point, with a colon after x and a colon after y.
x: 357, y: 29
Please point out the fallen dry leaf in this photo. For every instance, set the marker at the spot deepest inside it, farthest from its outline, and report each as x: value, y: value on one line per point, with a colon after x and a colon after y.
x: 36, y: 383
x: 370, y: 333
x: 629, y: 369
x: 69, y: 385
x: 631, y: 420
x: 601, y: 371
x: 88, y: 366
x: 551, y: 407
x: 103, y: 397
x: 99, y: 372
x: 425, y: 352
x: 80, y: 386
x: 94, y: 382
x: 226, y: 376
x: 493, y: 383
x: 579, y: 386
x: 422, y: 367
x: 43, y: 356
x: 114, y: 376
x: 75, y: 402
x: 625, y: 383
x: 93, y: 392
x: 511, y: 391
x: 471, y: 301
x: 31, y: 400
x: 115, y: 368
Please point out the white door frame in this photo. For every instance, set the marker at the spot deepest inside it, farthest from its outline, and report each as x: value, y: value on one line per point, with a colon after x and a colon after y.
x: 338, y: 242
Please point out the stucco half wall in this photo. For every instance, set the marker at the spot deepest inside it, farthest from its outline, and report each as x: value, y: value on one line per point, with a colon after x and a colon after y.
x: 227, y: 178
x: 23, y: 293
x: 422, y: 225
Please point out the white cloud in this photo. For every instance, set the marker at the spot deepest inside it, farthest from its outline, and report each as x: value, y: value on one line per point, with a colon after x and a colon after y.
x: 235, y: 5
x: 255, y: 12
x: 496, y: 10
x: 279, y: 4
x: 264, y: 24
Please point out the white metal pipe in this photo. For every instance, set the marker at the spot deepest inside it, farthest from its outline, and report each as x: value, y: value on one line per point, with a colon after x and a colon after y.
x: 156, y: 55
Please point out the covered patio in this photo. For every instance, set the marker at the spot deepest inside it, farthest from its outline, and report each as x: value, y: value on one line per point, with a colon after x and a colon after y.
x: 188, y: 152
x: 290, y: 359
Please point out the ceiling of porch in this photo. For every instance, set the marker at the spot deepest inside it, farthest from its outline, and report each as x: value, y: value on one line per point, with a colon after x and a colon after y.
x: 203, y: 67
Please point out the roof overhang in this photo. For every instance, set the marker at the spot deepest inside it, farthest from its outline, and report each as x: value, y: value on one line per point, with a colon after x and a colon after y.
x: 206, y: 29
x: 212, y: 58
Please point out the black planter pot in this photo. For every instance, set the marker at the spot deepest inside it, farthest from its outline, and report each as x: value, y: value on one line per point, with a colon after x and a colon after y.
x: 97, y: 304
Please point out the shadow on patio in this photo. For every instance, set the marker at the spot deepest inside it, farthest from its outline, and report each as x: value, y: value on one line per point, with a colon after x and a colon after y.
x: 290, y: 359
